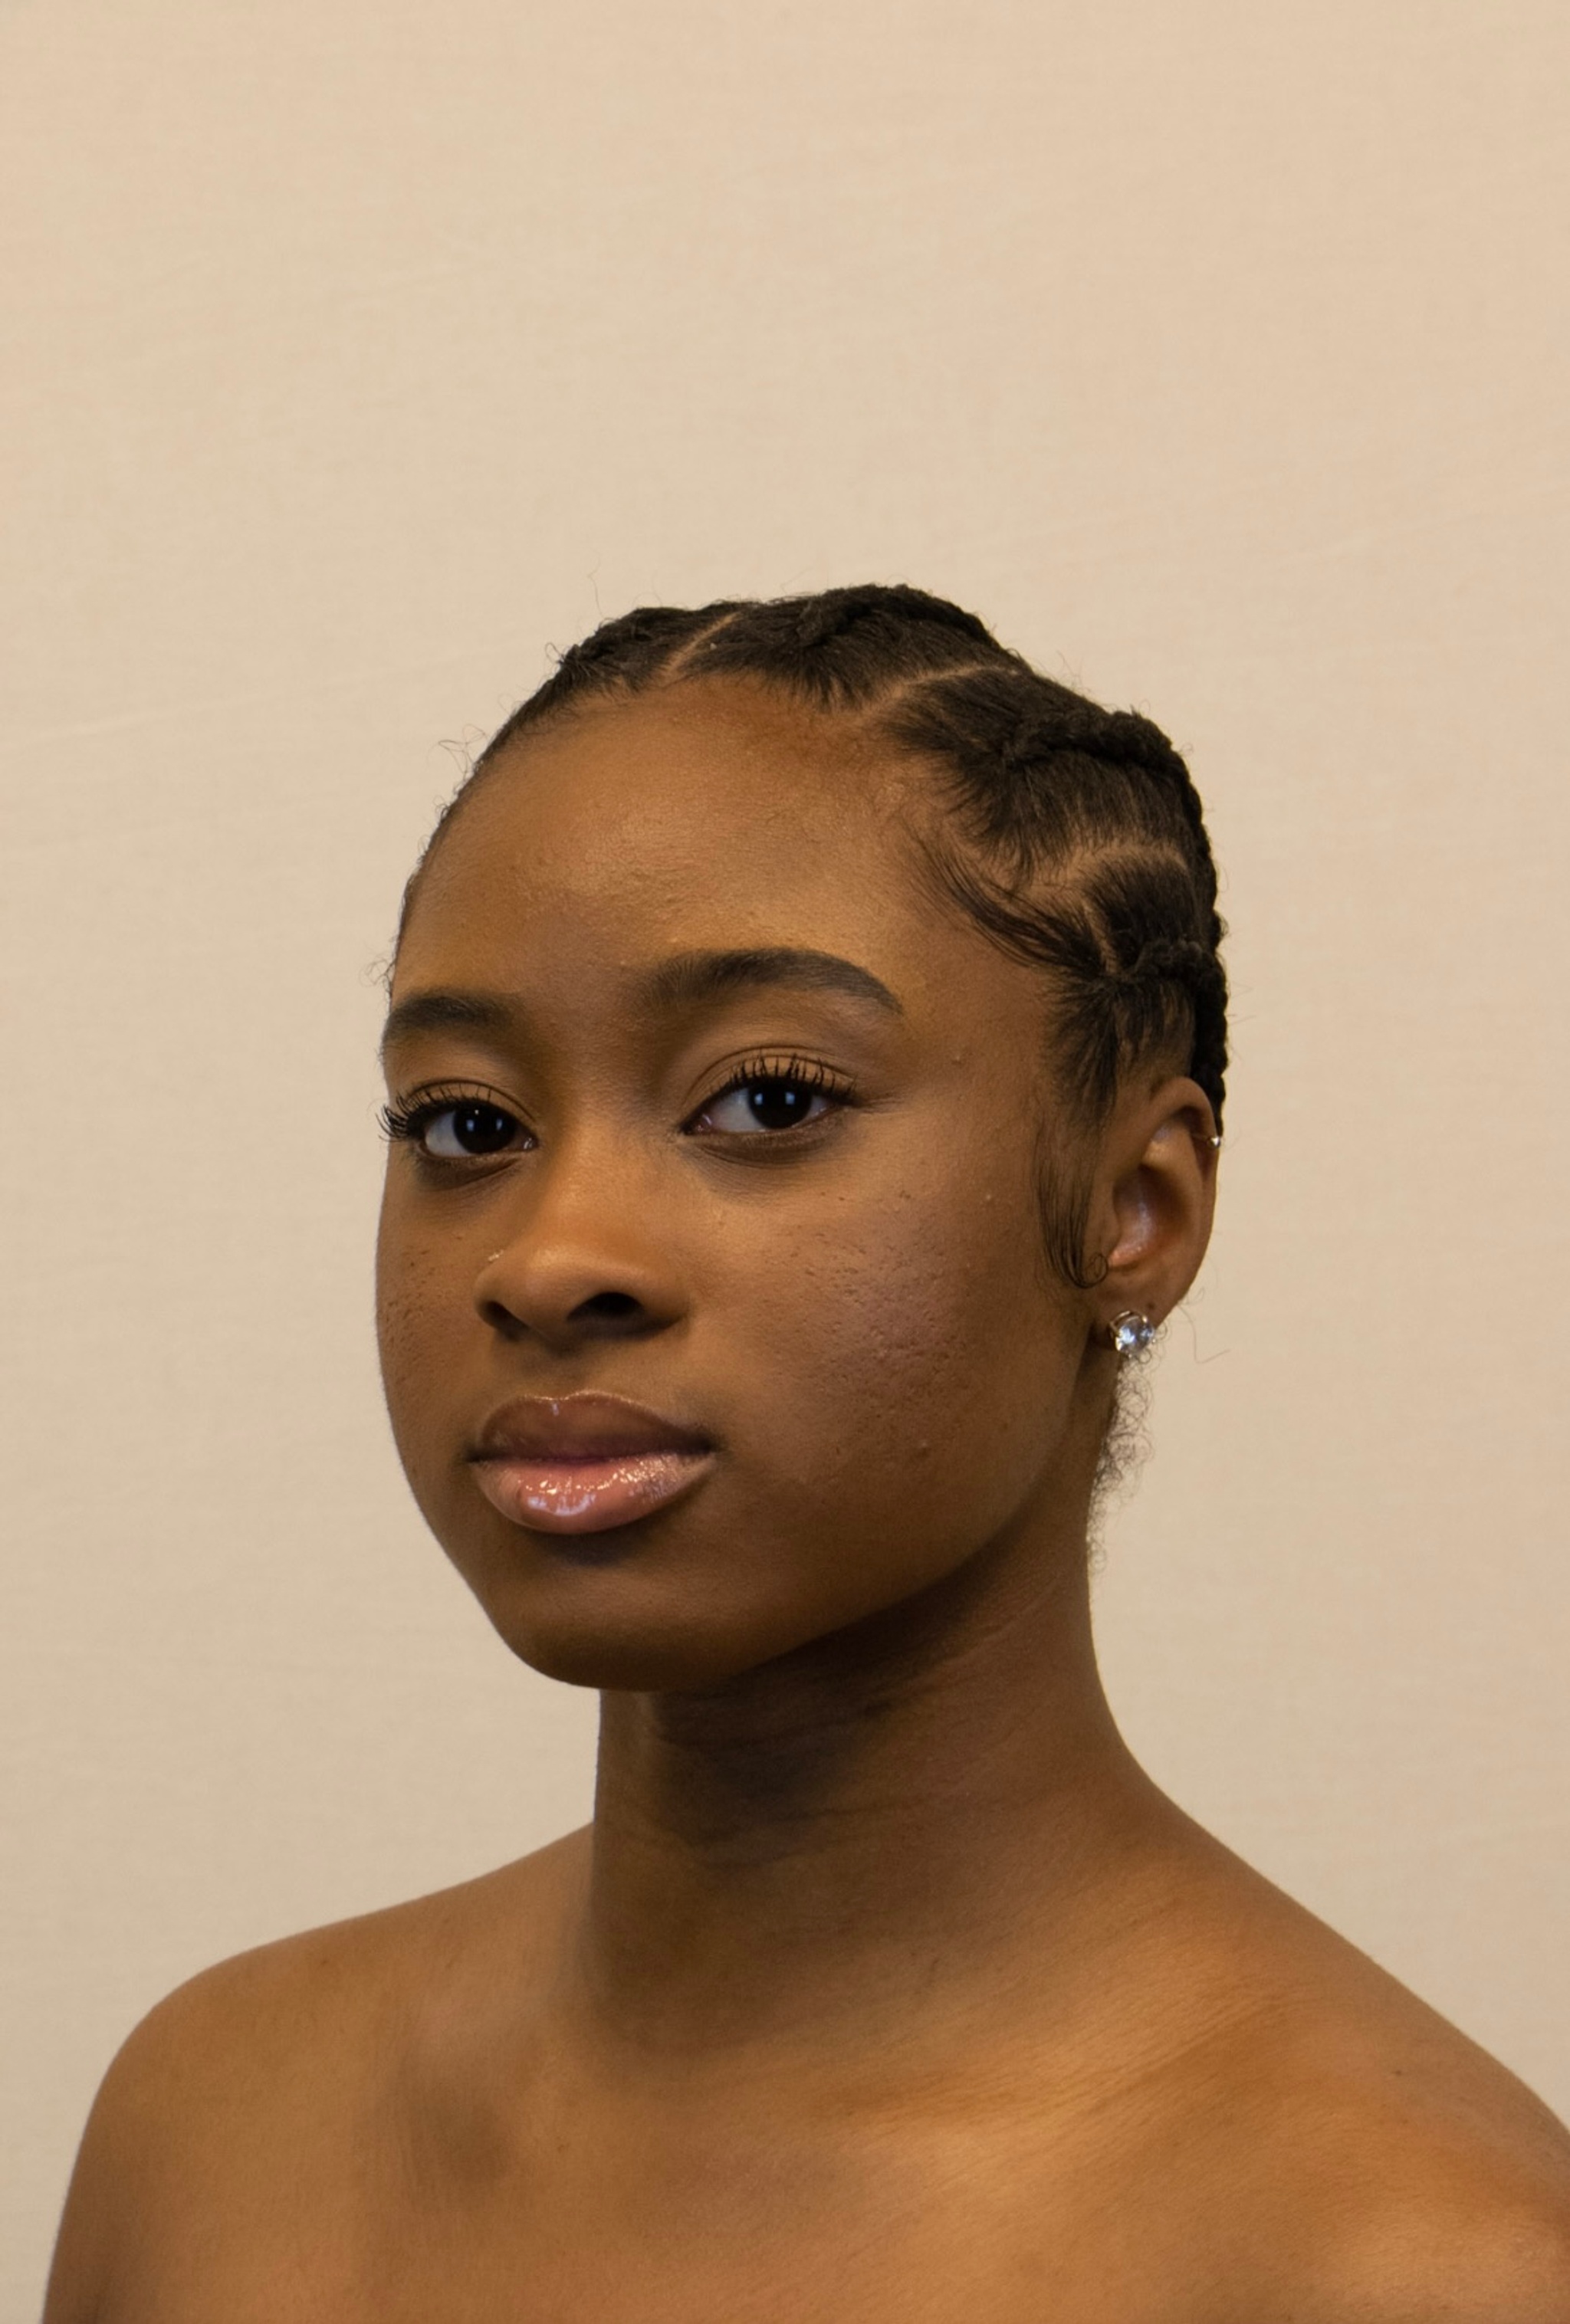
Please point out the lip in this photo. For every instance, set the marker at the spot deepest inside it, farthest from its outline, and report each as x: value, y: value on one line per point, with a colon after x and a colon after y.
x: 584, y: 1463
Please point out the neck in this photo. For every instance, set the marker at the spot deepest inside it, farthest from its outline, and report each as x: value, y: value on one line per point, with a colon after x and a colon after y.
x: 920, y: 1805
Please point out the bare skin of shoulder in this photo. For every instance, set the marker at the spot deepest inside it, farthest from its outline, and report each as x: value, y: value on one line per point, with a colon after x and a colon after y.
x: 1234, y: 2116
x: 725, y: 1363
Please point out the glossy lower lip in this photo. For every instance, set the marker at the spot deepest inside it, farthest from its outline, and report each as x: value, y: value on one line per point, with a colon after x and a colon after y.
x: 589, y: 1494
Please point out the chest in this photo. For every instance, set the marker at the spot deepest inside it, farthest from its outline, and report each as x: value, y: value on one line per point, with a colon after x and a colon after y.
x: 636, y: 2218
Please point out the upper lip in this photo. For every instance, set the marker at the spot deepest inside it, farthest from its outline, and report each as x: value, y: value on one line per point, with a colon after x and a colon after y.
x: 581, y: 1427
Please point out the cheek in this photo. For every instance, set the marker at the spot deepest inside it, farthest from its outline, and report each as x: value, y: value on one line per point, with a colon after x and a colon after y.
x: 421, y: 1325
x: 919, y: 1377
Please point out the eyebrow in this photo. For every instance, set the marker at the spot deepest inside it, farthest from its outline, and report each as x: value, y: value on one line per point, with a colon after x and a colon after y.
x: 697, y: 976
x: 686, y: 980
x: 444, y: 1012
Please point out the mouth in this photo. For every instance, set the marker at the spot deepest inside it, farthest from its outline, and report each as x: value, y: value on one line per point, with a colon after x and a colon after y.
x: 584, y: 1463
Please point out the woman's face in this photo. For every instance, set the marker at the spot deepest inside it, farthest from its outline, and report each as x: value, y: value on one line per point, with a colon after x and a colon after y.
x: 712, y: 1306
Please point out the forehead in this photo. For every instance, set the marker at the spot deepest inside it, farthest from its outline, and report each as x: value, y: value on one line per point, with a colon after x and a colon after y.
x: 711, y: 814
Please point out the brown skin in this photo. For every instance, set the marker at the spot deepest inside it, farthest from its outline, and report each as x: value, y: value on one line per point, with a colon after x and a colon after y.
x: 884, y: 1985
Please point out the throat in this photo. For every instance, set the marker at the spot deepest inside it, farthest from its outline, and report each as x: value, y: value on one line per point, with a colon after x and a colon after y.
x: 925, y: 1807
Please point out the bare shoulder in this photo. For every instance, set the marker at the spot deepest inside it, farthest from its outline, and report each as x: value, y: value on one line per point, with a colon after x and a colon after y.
x: 248, y: 2085
x: 1453, y: 2252
x: 1397, y: 2172
x: 1437, y: 2212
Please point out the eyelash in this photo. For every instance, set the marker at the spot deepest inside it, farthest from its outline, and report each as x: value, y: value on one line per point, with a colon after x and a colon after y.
x: 803, y: 1073
x: 407, y: 1124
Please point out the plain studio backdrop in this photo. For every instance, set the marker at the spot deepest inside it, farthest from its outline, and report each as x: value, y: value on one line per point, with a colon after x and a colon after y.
x: 357, y: 355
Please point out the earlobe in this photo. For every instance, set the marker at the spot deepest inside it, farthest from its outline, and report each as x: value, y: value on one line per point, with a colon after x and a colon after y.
x: 1161, y: 1201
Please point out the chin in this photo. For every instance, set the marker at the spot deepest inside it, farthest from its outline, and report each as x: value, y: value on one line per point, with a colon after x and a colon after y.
x: 620, y: 1629
x: 664, y: 1607
x: 628, y: 1656
x: 610, y: 1623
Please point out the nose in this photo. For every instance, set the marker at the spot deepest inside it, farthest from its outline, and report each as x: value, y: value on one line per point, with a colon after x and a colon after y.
x: 581, y: 1267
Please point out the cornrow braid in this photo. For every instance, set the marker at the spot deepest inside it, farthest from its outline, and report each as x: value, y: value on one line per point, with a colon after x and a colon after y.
x: 1076, y: 839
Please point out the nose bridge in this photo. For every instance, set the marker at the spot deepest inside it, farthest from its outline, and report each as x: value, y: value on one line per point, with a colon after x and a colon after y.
x: 585, y: 1228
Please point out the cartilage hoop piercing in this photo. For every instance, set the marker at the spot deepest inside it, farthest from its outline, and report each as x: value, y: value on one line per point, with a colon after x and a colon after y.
x: 1130, y: 1332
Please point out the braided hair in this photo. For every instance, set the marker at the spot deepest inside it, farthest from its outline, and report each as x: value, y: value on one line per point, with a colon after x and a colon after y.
x: 1077, y: 842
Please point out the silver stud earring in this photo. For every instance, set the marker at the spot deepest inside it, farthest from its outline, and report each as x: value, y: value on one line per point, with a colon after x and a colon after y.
x: 1130, y: 1332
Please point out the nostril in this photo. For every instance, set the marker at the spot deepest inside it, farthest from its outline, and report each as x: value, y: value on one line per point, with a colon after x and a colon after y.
x: 610, y: 1306
x: 540, y: 1305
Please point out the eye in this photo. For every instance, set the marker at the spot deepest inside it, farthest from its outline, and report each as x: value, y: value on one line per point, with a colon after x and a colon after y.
x: 468, y: 1129
x: 764, y: 1098
x: 455, y: 1129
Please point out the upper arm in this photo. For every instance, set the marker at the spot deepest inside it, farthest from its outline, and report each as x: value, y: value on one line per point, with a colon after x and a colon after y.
x: 1518, y: 2273
x: 1503, y: 2262
x: 75, y: 2277
x: 192, y: 2098
x: 107, y: 2186
x: 212, y: 2140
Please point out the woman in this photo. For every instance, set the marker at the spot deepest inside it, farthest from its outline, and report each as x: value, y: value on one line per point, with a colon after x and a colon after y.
x: 806, y: 1063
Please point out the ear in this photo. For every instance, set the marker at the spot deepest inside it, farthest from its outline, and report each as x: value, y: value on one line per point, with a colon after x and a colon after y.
x: 1155, y: 1199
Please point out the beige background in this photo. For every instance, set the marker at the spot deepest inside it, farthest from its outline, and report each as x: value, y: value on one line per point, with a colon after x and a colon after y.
x: 1217, y: 353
